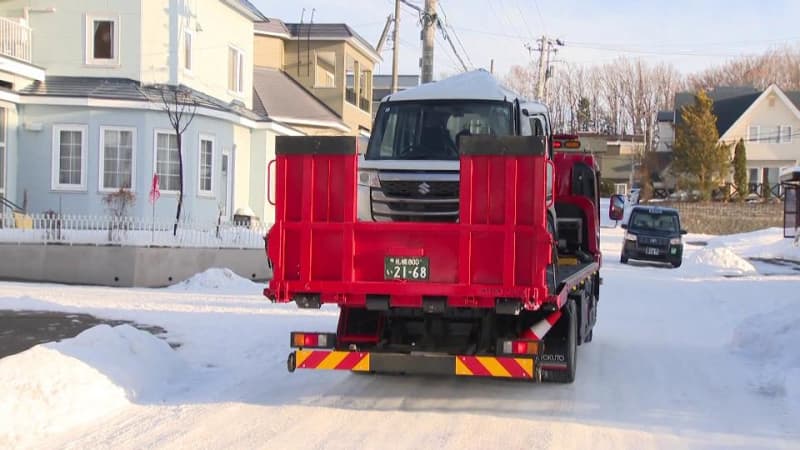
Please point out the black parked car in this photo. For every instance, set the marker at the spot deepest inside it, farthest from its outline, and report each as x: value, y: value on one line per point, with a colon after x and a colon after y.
x: 653, y: 234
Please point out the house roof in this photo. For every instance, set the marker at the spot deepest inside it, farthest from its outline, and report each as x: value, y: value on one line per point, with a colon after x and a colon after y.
x: 729, y: 104
x: 473, y: 85
x: 278, y: 96
x: 248, y: 8
x: 665, y: 116
x: 331, y: 31
x: 124, y: 89
x: 272, y: 26
x: 403, y: 81
x: 382, y: 84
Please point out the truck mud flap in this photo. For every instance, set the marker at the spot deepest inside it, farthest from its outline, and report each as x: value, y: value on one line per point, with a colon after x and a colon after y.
x: 398, y: 363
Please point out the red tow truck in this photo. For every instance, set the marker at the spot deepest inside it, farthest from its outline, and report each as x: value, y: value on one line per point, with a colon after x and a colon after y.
x: 509, y: 288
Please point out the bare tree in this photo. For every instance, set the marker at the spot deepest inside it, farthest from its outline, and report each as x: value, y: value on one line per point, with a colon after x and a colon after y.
x: 180, y: 106
x: 780, y: 65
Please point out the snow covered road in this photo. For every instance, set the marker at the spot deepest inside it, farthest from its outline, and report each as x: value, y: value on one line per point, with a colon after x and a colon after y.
x: 686, y: 358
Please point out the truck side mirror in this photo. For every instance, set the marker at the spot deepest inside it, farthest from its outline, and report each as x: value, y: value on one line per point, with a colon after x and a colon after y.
x: 616, y: 209
x: 684, y: 232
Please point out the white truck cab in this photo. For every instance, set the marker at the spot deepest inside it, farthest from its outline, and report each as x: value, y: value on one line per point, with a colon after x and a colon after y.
x: 410, y: 171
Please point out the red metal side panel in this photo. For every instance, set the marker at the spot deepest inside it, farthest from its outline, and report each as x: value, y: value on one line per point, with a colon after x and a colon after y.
x: 500, y: 248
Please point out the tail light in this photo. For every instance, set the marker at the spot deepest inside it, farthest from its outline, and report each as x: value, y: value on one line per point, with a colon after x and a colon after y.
x: 313, y: 340
x: 520, y: 347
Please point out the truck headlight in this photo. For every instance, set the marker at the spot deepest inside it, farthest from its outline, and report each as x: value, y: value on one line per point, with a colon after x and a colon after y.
x: 675, y: 241
x: 368, y: 178
x: 630, y: 237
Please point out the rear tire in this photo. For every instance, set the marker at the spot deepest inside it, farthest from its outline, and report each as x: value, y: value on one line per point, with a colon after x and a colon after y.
x: 568, y: 376
x: 623, y: 258
x: 676, y: 264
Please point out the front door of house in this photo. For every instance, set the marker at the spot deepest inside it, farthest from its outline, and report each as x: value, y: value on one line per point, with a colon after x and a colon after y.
x: 225, y: 185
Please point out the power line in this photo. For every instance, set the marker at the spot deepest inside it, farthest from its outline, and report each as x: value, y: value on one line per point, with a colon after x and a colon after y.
x: 453, y: 63
x: 525, y: 21
x: 541, y: 18
x: 453, y: 32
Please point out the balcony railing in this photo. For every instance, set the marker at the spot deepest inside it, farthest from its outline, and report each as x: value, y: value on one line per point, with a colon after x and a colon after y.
x: 15, y: 39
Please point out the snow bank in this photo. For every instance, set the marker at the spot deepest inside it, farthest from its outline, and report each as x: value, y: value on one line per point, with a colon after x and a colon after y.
x: 218, y: 281
x: 54, y: 387
x: 770, y: 340
x: 718, y: 261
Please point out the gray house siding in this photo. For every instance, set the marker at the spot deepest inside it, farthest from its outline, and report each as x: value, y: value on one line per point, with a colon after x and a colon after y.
x: 35, y: 161
x: 11, y: 151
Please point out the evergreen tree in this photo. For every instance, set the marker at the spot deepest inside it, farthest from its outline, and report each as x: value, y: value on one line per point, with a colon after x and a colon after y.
x: 699, y: 158
x: 584, y: 114
x: 740, y: 170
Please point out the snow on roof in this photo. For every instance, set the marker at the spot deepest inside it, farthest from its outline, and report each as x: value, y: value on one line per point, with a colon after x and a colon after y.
x: 474, y: 85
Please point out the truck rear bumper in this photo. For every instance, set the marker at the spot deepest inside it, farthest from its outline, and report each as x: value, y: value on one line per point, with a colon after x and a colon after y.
x: 411, y: 364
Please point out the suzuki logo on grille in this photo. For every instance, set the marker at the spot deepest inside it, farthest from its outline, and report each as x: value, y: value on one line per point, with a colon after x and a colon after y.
x: 424, y: 188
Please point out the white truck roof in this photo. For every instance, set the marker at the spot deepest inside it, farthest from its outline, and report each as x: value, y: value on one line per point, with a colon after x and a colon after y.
x: 473, y: 85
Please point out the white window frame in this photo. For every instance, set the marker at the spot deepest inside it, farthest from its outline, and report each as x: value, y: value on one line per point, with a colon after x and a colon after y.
x: 240, y: 69
x: 102, y: 158
x: 56, y: 160
x: 200, y: 191
x: 332, y: 77
x: 759, y: 175
x: 4, y: 146
x: 750, y: 137
x: 156, y: 132
x: 188, y: 56
x: 780, y: 137
x: 89, y: 40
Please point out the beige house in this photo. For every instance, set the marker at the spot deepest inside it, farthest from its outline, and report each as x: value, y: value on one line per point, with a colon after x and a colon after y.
x: 331, y: 62
x: 767, y: 121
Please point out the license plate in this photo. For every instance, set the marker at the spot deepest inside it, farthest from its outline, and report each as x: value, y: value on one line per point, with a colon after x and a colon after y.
x: 404, y: 268
x: 651, y: 251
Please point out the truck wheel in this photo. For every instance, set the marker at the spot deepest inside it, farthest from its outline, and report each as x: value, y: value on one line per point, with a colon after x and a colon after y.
x: 571, y: 353
x: 676, y: 264
x: 623, y: 258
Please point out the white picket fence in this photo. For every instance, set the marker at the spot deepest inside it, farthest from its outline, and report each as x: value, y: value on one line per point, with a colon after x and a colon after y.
x: 127, y: 231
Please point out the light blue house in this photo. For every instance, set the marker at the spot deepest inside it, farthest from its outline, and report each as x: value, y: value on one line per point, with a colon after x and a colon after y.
x: 82, y: 115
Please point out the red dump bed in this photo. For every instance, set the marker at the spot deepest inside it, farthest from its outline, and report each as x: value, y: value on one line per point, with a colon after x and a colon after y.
x: 499, y: 249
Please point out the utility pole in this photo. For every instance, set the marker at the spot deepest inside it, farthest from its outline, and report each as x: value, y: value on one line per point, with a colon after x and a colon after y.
x: 546, y: 47
x: 429, y: 21
x: 396, y: 46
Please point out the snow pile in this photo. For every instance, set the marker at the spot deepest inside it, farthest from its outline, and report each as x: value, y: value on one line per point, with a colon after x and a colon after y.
x: 218, y: 281
x: 767, y: 244
x: 770, y: 340
x: 53, y: 387
x: 718, y: 261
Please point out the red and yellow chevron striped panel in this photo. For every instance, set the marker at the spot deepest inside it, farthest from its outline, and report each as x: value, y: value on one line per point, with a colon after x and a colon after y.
x: 328, y: 360
x: 491, y: 366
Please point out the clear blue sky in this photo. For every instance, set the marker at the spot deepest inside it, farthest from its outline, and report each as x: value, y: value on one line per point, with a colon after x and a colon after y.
x: 689, y: 34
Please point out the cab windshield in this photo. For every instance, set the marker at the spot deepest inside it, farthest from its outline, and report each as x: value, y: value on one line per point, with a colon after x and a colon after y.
x: 433, y: 130
x: 647, y: 221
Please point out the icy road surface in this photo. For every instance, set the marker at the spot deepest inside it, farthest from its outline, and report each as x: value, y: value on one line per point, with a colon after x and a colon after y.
x: 705, y: 356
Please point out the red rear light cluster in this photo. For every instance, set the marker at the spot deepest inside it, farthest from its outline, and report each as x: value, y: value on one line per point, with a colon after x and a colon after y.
x: 520, y: 347
x: 313, y: 340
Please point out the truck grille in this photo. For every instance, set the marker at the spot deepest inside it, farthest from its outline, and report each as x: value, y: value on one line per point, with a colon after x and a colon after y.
x: 416, y: 198
x: 644, y: 242
x: 411, y: 189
